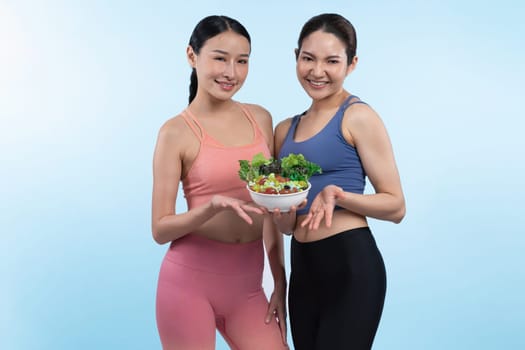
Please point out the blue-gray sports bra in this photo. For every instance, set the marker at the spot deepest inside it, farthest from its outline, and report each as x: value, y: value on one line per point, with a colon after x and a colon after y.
x: 338, y: 159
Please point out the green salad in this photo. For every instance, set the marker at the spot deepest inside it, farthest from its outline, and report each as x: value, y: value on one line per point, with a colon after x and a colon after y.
x: 289, y: 174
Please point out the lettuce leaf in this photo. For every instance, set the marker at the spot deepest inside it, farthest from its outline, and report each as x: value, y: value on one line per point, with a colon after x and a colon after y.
x: 294, y: 166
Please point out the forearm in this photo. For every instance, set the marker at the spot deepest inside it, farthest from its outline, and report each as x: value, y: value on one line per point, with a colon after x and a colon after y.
x: 286, y: 226
x: 171, y: 227
x: 274, y: 246
x: 382, y: 206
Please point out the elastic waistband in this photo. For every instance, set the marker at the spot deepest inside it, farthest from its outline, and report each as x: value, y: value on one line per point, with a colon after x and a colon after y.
x: 334, y: 252
x: 205, y: 254
x: 333, y: 239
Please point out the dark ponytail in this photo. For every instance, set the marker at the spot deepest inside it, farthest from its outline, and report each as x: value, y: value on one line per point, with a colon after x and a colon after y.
x: 193, y: 85
x: 207, y: 28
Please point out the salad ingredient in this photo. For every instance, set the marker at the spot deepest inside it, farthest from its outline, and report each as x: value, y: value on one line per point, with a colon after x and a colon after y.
x: 277, y: 176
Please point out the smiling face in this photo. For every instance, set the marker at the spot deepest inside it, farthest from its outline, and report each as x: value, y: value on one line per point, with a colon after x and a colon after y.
x: 322, y: 64
x: 221, y: 65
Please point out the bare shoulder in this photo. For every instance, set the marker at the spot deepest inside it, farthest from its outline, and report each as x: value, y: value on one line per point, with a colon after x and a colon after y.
x: 361, y: 116
x: 261, y: 114
x: 174, y: 132
x: 361, y: 123
x: 361, y: 113
x: 173, y: 127
x: 263, y: 118
x: 283, y: 126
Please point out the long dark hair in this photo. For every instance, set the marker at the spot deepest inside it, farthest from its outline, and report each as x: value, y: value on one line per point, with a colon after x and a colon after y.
x: 335, y: 24
x: 207, y: 28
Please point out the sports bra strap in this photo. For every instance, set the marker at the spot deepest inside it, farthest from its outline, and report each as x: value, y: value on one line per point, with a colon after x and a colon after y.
x: 193, y: 123
x: 248, y: 113
x: 348, y: 102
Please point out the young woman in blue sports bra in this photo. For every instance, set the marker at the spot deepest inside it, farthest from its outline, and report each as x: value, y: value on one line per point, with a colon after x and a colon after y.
x: 338, y: 279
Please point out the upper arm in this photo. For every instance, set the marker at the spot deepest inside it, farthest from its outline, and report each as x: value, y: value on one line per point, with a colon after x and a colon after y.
x: 167, y: 169
x: 372, y: 142
x: 280, y: 134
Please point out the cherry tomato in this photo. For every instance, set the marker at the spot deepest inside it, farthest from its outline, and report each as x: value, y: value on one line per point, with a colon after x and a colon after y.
x: 281, y: 178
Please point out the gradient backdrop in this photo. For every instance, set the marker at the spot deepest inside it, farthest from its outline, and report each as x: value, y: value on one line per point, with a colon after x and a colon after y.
x: 85, y: 86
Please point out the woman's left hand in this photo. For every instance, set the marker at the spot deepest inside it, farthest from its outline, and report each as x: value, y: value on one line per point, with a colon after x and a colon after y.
x: 323, y: 207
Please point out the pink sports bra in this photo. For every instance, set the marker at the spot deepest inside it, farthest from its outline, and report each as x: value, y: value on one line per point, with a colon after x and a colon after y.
x: 215, y: 170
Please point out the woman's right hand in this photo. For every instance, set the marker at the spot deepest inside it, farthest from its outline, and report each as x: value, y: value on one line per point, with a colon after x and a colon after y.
x: 240, y: 207
x: 285, y: 221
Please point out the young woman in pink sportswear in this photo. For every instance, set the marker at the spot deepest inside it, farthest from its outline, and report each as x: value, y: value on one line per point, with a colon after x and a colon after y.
x: 211, y: 276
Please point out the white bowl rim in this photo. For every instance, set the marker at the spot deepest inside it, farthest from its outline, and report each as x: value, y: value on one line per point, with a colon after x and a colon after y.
x: 280, y: 194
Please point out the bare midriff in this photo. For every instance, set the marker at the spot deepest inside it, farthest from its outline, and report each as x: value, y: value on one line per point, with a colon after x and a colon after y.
x: 342, y: 220
x: 228, y: 227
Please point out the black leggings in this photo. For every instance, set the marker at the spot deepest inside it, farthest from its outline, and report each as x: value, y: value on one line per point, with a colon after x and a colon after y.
x: 337, y: 291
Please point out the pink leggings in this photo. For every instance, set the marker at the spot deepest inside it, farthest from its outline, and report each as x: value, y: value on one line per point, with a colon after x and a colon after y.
x: 206, y: 285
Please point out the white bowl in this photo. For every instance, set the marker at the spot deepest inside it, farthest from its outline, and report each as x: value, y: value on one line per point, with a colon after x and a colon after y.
x: 282, y: 201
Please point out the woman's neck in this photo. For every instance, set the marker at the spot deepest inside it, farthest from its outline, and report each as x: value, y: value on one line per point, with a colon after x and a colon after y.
x: 205, y: 107
x: 328, y: 103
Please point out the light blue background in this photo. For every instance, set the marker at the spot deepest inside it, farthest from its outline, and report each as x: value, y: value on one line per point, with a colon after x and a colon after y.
x: 85, y: 85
